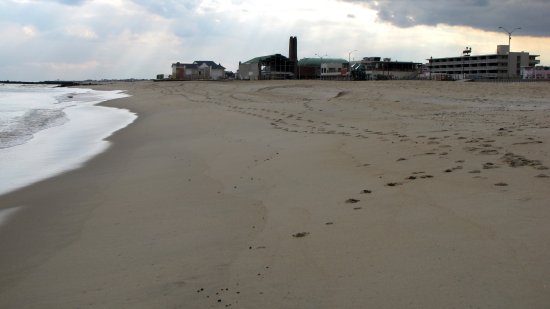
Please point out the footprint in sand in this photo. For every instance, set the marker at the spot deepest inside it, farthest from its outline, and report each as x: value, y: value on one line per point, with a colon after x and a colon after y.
x: 489, y: 165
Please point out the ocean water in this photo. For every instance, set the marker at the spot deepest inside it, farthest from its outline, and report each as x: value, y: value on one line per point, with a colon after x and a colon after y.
x: 48, y: 130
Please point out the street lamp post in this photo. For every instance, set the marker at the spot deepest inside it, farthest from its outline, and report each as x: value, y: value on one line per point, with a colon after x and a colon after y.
x: 320, y: 66
x: 509, y: 48
x: 509, y: 35
x: 349, y: 63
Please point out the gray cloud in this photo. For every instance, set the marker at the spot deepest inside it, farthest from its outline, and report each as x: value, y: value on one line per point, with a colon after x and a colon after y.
x: 530, y: 15
x: 70, y: 2
x: 168, y: 8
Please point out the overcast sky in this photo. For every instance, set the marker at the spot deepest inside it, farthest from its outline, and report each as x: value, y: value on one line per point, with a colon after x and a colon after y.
x: 95, y: 39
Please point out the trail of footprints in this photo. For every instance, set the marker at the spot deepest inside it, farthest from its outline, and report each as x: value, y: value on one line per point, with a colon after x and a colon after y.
x: 486, y: 146
x: 298, y: 122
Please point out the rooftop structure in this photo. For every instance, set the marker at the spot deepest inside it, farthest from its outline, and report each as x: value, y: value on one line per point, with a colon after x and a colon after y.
x: 293, y: 53
x: 210, y: 64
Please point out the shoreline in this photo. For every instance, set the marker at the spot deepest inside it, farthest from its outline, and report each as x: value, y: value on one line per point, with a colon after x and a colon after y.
x: 49, y: 145
x: 295, y: 194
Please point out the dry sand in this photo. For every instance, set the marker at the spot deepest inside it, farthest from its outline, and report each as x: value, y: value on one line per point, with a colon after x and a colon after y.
x: 297, y: 194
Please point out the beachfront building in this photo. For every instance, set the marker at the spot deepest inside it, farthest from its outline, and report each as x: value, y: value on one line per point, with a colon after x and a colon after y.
x: 183, y: 71
x: 309, y: 68
x: 210, y: 70
x: 384, y: 68
x: 274, y: 66
x: 537, y: 72
x: 337, y: 69
x: 322, y: 68
x: 198, y: 70
x: 503, y: 64
x: 250, y: 70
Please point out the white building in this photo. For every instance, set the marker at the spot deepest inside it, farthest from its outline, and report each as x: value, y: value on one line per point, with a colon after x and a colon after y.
x: 210, y: 70
x: 198, y: 70
x: 503, y: 64
x: 538, y: 72
x: 334, y: 68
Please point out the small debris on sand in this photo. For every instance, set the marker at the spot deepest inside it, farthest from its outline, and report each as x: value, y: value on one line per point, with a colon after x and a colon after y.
x: 352, y: 201
x: 301, y: 234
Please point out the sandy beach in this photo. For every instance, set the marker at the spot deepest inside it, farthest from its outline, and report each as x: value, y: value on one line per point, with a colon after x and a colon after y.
x: 296, y: 194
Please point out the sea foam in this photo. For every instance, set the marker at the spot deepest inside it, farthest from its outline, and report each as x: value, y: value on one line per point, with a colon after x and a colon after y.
x: 45, y: 131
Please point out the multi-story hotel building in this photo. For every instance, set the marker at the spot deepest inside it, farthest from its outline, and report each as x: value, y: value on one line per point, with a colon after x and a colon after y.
x: 503, y: 64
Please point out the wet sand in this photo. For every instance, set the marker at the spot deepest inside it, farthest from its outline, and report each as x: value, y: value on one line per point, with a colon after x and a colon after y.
x: 296, y: 194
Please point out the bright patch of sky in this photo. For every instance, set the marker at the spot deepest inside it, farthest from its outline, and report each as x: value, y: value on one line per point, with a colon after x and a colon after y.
x: 95, y: 39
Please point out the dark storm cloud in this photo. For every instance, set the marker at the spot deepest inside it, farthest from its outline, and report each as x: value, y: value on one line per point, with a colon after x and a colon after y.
x: 530, y: 15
